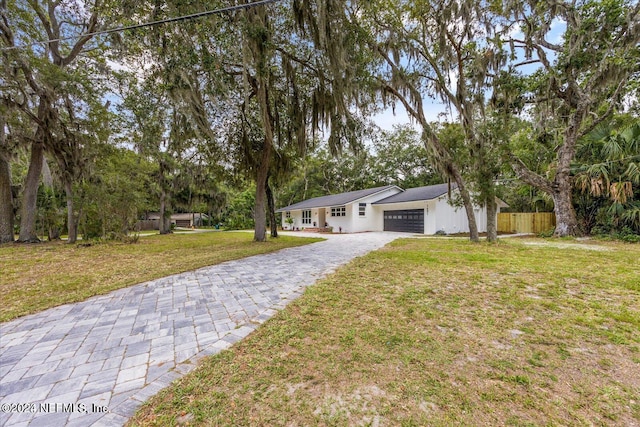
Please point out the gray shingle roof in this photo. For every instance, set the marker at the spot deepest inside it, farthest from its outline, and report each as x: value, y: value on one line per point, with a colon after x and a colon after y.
x: 334, y: 199
x: 420, y: 193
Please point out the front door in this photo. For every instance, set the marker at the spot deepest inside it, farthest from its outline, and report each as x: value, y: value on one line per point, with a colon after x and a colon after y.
x: 321, y: 217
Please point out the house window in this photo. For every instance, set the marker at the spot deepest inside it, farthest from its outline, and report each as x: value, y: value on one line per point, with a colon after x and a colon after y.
x: 287, y: 214
x: 339, y: 211
x: 362, y: 209
x: 306, y: 217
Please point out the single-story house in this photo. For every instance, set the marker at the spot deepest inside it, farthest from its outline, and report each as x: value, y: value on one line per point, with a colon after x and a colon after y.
x: 423, y: 210
x: 186, y: 220
x: 191, y: 219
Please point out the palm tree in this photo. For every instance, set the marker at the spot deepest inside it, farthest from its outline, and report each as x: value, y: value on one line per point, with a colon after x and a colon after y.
x: 610, y: 170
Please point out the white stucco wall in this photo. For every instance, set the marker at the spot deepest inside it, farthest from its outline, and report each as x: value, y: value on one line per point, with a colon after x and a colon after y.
x: 297, y: 220
x: 340, y: 221
x: 346, y: 222
x: 450, y: 219
x: 372, y: 220
x: 453, y: 219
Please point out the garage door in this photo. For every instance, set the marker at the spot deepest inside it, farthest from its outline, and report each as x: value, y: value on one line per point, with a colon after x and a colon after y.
x: 411, y: 221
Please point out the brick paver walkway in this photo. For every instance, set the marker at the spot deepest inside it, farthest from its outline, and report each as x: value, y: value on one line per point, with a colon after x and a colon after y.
x: 66, y: 365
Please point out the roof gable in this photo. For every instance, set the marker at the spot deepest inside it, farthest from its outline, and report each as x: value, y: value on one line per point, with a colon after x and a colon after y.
x: 336, y: 199
x: 429, y: 192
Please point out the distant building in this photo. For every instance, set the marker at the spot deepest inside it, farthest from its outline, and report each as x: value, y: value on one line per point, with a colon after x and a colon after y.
x: 184, y: 220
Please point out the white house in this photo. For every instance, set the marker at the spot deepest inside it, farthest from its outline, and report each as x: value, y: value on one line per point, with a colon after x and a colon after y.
x: 423, y: 210
x: 350, y: 212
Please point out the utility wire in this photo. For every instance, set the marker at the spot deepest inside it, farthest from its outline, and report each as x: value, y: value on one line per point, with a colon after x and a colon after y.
x: 154, y: 23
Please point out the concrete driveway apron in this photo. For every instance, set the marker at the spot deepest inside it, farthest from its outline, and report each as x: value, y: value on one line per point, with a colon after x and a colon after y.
x: 95, y: 362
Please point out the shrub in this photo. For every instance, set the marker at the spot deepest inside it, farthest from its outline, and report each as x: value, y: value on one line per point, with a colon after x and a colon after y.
x: 548, y: 233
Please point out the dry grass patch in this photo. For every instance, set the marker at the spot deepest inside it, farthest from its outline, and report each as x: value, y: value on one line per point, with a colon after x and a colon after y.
x: 36, y: 277
x: 436, y: 332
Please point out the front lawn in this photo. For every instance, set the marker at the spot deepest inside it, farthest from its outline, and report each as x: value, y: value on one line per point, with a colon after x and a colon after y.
x: 437, y: 332
x: 37, y: 277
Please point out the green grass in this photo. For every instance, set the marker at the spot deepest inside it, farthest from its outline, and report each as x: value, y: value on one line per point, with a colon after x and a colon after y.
x: 41, y: 276
x: 436, y: 332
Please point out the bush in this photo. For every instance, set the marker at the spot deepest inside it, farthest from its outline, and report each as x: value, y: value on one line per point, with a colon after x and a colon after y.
x: 548, y: 233
x: 631, y: 238
x: 628, y: 235
x: 239, y: 212
x: 130, y: 239
x: 600, y: 230
x: 625, y: 234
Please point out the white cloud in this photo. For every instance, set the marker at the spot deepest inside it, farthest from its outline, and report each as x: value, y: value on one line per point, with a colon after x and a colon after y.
x: 434, y: 112
x: 515, y: 32
x: 557, y: 30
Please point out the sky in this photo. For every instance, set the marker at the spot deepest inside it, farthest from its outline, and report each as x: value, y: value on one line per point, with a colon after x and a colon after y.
x: 387, y: 119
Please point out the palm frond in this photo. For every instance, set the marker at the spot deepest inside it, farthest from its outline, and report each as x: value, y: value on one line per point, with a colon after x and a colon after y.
x: 633, y: 173
x: 613, y: 147
x: 615, y: 211
x: 621, y: 191
x: 631, y: 215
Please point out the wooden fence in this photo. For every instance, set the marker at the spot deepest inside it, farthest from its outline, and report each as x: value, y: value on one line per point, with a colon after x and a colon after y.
x: 526, y: 222
x: 148, y: 224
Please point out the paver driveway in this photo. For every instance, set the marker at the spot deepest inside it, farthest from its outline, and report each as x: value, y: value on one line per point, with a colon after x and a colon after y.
x: 95, y: 362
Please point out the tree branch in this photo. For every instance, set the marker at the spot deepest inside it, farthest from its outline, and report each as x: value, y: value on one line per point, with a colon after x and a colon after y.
x: 300, y: 61
x: 525, y: 174
x: 417, y: 110
x: 43, y: 18
x: 531, y: 61
x: 7, y: 34
x: 77, y: 48
x: 54, y: 33
x: 25, y: 109
x: 407, y: 105
x: 549, y: 45
x: 607, y: 113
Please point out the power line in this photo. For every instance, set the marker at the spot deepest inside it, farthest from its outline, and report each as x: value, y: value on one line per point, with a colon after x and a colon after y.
x: 154, y: 23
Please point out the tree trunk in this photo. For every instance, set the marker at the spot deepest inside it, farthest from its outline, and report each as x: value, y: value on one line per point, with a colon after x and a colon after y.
x: 468, y: 204
x: 6, y: 201
x: 561, y: 190
x: 492, y: 226
x: 162, y: 222
x: 471, y: 217
x: 6, y: 197
x: 566, y: 220
x: 53, y: 232
x: 442, y: 155
x: 272, y: 211
x: 30, y: 196
x: 262, y: 172
x: 260, y: 217
x: 72, y: 226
